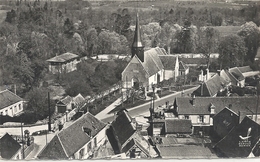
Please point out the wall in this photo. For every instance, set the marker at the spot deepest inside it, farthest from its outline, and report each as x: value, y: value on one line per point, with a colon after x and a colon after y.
x: 168, y: 74
x: 195, y: 119
x: 12, y: 110
x: 134, y: 71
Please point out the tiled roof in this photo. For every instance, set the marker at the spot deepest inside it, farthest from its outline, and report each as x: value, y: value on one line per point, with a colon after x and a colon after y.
x: 8, y: 98
x: 178, y: 126
x: 65, y: 100
x: 202, y: 104
x: 122, y: 126
x: 73, y: 137
x: 227, y: 30
x: 236, y: 73
x: 152, y: 62
x: 53, y: 150
x: 186, y: 152
x: 182, y: 66
x: 168, y: 61
x: 196, y: 61
x: 79, y: 99
x: 225, y: 76
x: 244, y: 69
x: 8, y: 146
x: 63, y: 57
x: 211, y: 87
x: 229, y: 145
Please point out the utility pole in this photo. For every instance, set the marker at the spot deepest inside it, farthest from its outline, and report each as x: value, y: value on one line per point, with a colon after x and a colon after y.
x: 49, y: 123
x: 22, y: 138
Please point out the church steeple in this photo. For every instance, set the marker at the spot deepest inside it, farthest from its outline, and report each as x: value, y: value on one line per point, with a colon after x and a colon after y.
x: 137, y: 46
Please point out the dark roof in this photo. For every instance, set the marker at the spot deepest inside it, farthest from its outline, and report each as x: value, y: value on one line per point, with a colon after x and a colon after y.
x: 178, y: 126
x: 227, y: 30
x: 8, y: 98
x: 202, y: 104
x: 168, y: 61
x: 73, y: 137
x: 53, y: 150
x: 122, y: 126
x: 137, y: 37
x: 152, y: 62
x: 195, y: 61
x: 79, y: 99
x: 212, y: 86
x: 182, y: 66
x: 65, y: 100
x: 186, y: 152
x: 63, y: 57
x: 8, y: 146
x: 244, y: 69
x: 229, y: 145
x: 236, y: 73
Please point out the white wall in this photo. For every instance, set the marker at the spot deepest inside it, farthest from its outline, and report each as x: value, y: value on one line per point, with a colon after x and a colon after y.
x: 168, y: 74
x: 195, y: 119
x: 12, y: 110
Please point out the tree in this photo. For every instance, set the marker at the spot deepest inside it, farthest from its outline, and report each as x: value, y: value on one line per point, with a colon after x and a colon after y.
x: 232, y: 51
x: 38, y: 102
x: 208, y: 40
x: 251, y: 35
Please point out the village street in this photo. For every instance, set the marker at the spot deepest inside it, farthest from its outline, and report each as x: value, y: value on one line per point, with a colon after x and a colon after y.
x: 144, y: 108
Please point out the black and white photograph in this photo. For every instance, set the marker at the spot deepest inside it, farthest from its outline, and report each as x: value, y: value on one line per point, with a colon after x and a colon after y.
x: 129, y: 79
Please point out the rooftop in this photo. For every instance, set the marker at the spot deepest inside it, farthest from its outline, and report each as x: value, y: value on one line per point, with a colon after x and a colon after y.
x: 178, y: 126
x: 9, y: 146
x: 63, y: 57
x: 202, y: 104
x: 71, y: 139
x: 8, y: 98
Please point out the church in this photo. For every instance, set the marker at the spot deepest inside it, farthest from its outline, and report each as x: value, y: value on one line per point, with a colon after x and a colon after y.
x: 148, y: 68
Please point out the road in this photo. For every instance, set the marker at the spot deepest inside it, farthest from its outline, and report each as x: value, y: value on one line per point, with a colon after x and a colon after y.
x: 144, y: 108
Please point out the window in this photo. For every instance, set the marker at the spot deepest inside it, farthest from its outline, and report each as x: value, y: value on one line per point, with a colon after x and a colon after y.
x: 6, y: 112
x: 20, y: 107
x: 2, y: 113
x: 201, y: 119
x: 90, y: 146
x: 81, y: 153
x: 95, y: 142
x: 15, y: 108
x: 186, y: 117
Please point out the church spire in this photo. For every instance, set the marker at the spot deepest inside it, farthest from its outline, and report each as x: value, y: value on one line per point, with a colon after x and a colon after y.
x: 137, y: 46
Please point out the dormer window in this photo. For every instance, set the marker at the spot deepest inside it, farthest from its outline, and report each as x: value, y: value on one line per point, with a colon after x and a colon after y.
x: 87, y: 131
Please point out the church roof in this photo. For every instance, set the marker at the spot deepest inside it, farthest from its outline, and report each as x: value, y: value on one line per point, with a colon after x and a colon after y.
x: 168, y: 61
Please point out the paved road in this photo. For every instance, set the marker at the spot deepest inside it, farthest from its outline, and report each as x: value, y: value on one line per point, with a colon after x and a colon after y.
x: 142, y: 109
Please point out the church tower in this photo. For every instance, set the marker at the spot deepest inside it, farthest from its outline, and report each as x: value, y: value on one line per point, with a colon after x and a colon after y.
x: 137, y: 46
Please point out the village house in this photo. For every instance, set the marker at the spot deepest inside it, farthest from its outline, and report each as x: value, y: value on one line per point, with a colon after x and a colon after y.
x: 212, y: 86
x: 177, y: 127
x: 124, y: 136
x: 200, y: 110
x: 63, y: 63
x: 80, y: 140
x: 10, y: 149
x: 147, y: 68
x: 242, y: 141
x: 68, y: 103
x: 10, y: 103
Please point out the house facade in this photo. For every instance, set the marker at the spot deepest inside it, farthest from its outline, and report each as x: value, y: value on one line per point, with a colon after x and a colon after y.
x: 10, y: 103
x: 78, y: 141
x: 200, y: 110
x: 63, y: 63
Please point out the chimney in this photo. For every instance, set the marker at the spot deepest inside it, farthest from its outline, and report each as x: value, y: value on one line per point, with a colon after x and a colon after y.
x: 201, y: 75
x: 230, y: 106
x: 207, y: 75
x: 115, y: 115
x: 193, y: 100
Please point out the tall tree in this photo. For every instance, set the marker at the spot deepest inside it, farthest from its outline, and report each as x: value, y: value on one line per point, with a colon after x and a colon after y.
x: 207, y: 43
x: 251, y: 35
x: 232, y: 51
